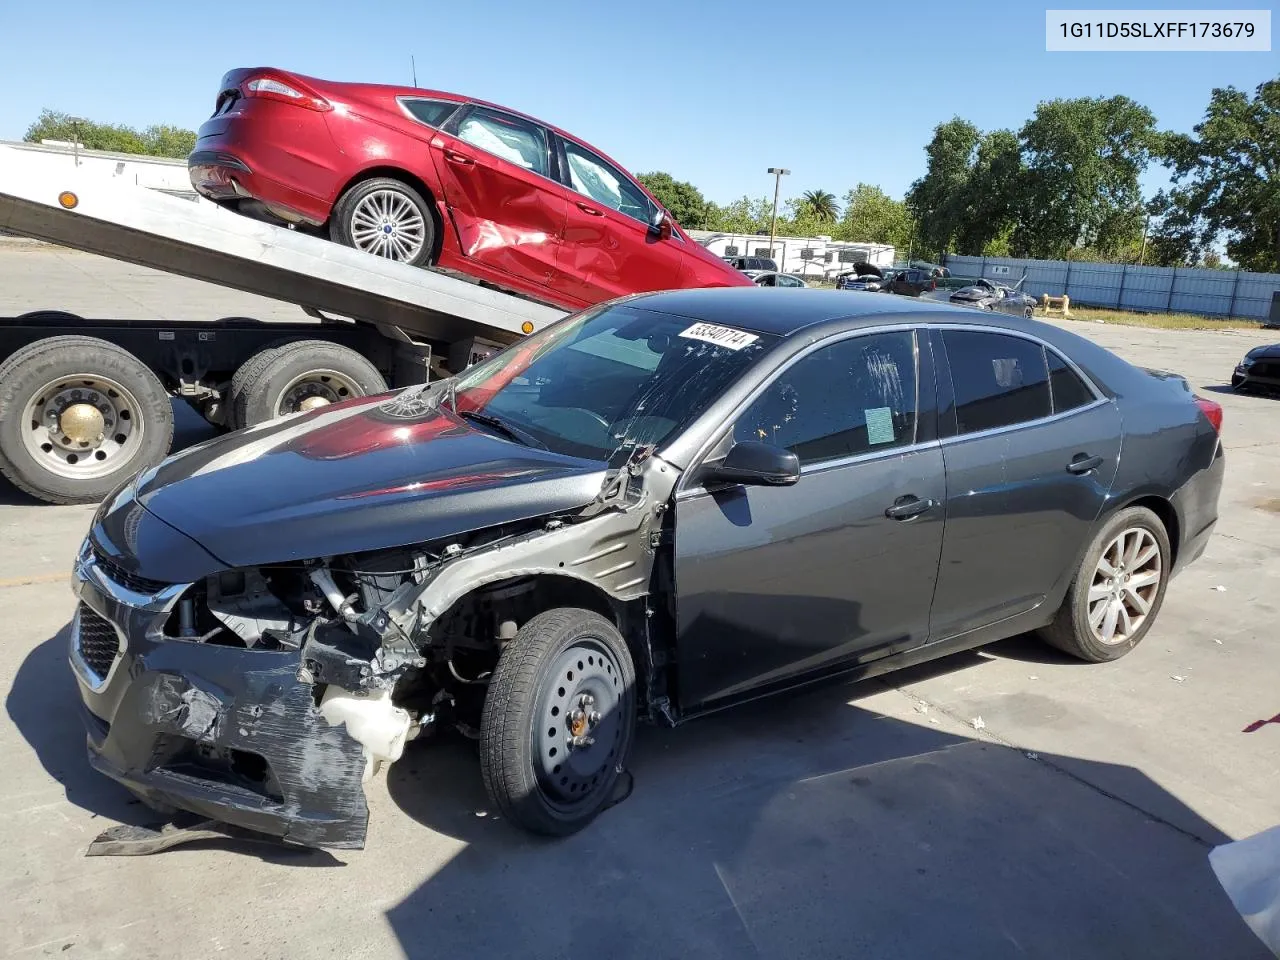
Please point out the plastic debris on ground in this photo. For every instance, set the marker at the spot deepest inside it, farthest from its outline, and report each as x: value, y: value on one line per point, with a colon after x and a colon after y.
x: 979, y: 723
x: 1249, y: 871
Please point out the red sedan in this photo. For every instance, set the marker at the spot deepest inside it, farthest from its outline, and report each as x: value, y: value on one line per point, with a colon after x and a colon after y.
x: 433, y: 178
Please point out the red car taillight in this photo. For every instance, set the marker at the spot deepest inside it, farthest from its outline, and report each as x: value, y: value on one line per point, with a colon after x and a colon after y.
x: 1211, y: 410
x: 269, y: 88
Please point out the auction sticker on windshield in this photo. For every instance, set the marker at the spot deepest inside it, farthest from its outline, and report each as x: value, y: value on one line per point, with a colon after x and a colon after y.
x: 721, y: 336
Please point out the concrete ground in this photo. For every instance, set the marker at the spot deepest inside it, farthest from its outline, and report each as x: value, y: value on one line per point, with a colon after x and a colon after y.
x: 1002, y: 803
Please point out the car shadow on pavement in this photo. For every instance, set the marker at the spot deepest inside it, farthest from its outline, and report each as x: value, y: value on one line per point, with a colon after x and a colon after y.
x: 810, y: 825
x: 44, y: 705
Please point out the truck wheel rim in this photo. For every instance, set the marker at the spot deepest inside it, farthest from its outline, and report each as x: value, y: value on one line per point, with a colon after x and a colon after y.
x: 82, y: 427
x: 316, y: 388
x: 387, y: 223
x: 1125, y: 583
x: 579, y: 724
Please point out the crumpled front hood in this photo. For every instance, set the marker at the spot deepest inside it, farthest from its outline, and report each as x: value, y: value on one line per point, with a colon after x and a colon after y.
x: 362, y: 475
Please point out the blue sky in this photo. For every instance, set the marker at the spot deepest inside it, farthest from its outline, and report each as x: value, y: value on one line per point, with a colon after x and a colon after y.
x: 714, y: 92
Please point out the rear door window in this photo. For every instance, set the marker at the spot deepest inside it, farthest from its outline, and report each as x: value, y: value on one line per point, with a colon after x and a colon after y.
x: 510, y: 138
x: 999, y: 380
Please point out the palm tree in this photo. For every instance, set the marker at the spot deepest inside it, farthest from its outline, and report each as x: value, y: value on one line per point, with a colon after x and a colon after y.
x: 821, y: 204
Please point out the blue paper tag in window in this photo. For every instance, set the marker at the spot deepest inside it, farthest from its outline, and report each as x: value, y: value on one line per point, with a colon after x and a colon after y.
x: 879, y: 425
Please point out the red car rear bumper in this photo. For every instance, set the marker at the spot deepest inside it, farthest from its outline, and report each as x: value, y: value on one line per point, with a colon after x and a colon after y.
x: 292, y: 169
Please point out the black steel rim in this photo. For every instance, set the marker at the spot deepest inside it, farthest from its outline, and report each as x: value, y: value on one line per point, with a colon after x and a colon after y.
x: 579, y: 724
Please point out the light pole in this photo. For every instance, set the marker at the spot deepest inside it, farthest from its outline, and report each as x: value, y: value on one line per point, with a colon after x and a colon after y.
x: 75, y: 137
x: 778, y: 174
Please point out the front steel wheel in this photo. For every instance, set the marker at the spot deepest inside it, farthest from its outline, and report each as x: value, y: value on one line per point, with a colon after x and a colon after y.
x: 1117, y: 590
x: 558, y: 721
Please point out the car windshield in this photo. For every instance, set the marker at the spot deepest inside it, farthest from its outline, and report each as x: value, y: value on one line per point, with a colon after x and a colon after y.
x: 611, y: 378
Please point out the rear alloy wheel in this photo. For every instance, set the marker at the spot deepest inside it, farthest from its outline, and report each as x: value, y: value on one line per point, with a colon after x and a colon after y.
x: 78, y: 416
x: 558, y: 721
x: 297, y: 377
x: 387, y: 218
x: 1117, y: 591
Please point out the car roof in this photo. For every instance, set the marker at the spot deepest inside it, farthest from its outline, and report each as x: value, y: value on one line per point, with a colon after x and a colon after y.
x: 765, y: 310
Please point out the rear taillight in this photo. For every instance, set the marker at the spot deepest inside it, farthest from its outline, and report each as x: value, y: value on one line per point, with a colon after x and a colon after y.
x: 270, y: 88
x: 1211, y: 410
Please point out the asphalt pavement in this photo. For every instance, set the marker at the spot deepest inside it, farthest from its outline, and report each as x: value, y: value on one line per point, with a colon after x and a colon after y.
x: 1007, y: 802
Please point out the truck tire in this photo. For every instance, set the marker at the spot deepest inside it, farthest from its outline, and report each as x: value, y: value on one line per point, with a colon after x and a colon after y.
x: 387, y: 218
x: 558, y: 721
x: 244, y: 373
x: 78, y: 417
x: 298, y: 376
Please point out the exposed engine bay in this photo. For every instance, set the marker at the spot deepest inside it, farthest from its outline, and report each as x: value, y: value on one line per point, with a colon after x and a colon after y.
x: 265, y: 696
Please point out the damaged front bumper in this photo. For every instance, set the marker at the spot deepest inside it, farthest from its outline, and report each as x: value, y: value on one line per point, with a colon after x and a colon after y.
x: 224, y: 732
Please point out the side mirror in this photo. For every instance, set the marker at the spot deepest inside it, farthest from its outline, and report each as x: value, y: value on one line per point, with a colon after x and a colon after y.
x: 660, y: 224
x: 755, y: 464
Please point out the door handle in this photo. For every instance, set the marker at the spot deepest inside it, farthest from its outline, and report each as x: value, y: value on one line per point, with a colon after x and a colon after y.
x: 587, y: 208
x: 454, y: 157
x: 1082, y: 463
x: 909, y: 507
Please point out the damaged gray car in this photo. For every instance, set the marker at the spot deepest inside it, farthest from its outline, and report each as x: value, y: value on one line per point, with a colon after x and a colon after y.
x: 647, y: 511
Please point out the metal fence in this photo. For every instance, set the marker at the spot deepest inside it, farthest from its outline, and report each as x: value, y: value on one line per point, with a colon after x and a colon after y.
x: 1211, y: 293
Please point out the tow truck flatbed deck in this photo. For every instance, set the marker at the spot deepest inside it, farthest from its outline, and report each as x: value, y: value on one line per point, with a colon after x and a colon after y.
x: 205, y: 242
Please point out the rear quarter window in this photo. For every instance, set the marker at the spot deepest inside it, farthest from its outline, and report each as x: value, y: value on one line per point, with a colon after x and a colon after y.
x: 1068, y: 390
x: 431, y: 112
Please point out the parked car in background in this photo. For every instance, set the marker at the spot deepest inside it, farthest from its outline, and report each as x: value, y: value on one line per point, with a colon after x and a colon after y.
x: 433, y: 178
x: 959, y: 283
x: 751, y: 265
x: 985, y: 295
x: 611, y: 521
x: 863, y: 276
x: 778, y: 280
x: 910, y: 282
x: 1258, y: 370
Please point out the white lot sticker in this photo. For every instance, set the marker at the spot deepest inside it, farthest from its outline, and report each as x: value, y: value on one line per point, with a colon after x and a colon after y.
x: 721, y: 336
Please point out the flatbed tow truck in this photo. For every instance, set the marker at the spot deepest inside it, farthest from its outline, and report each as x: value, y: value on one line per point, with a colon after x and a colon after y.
x: 85, y: 402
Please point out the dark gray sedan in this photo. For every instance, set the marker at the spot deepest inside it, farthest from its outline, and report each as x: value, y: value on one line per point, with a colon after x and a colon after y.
x: 647, y: 511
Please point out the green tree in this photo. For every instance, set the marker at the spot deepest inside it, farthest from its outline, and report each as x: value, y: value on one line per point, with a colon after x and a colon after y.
x: 156, y: 141
x: 871, y: 216
x: 683, y: 200
x: 991, y: 196
x: 1226, y: 178
x: 1080, y: 188
x: 937, y: 200
x: 820, y: 204
x: 165, y: 140
x: 743, y: 215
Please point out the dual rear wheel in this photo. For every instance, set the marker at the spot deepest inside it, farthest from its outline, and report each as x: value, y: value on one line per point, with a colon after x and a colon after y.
x: 79, y: 415
x: 297, y: 376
